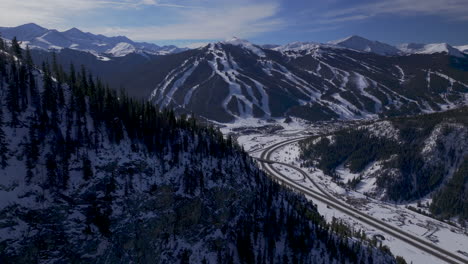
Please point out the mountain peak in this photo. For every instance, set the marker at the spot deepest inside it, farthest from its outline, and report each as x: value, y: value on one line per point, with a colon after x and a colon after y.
x: 76, y: 33
x: 32, y: 26
x: 246, y: 45
x: 74, y: 30
x: 356, y: 37
x: 122, y: 49
x: 236, y: 40
x: 349, y: 39
x: 24, y: 32
x: 38, y: 37
x: 362, y: 44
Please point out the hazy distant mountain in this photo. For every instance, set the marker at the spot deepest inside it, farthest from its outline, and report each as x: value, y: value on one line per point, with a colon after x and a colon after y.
x: 362, y: 44
x: 416, y: 48
x: 270, y: 46
x: 358, y: 43
x: 41, y: 38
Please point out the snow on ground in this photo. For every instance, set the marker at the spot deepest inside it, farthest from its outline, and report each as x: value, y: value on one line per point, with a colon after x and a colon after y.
x: 291, y: 173
x: 440, y: 233
x: 288, y: 154
x: 345, y: 174
x: 398, y: 248
x: 256, y: 135
x: 245, y: 44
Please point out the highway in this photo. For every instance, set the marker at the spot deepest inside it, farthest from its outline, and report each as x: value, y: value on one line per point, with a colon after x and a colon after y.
x: 328, y: 199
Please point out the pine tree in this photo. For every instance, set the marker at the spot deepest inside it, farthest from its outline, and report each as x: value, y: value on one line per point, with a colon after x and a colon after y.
x: 16, y: 48
x: 49, y: 96
x: 3, y: 143
x: 72, y: 77
x: 23, y: 78
x: 2, y: 44
x: 51, y: 166
x: 31, y: 150
x: 28, y: 58
x: 33, y: 92
x: 13, y: 94
x: 57, y: 72
x: 87, y: 168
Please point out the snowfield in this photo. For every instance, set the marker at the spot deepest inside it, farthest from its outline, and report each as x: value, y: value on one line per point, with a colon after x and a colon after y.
x: 253, y: 136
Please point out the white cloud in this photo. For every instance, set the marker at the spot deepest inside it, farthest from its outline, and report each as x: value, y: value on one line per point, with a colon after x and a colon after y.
x: 217, y: 22
x: 46, y: 12
x: 149, y: 2
x: 57, y: 13
x: 451, y: 9
x: 195, y: 45
x: 206, y: 19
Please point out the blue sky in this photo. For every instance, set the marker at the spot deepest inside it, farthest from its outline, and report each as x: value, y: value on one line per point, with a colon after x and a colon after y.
x: 184, y: 22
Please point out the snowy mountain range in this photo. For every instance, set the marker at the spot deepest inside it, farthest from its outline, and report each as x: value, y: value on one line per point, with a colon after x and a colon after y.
x: 358, y: 43
x: 41, y: 38
x: 352, y: 78
x: 235, y: 79
x: 38, y: 37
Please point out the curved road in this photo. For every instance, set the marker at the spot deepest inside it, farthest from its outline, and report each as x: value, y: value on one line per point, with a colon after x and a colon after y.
x: 330, y: 200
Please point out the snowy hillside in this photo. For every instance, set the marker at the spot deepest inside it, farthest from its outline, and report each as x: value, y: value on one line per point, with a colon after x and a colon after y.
x: 41, y: 38
x: 401, y: 159
x: 121, y: 49
x: 232, y: 80
x: 89, y: 176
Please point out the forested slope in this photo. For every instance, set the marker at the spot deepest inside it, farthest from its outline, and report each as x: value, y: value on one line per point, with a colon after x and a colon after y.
x: 408, y: 158
x: 91, y: 176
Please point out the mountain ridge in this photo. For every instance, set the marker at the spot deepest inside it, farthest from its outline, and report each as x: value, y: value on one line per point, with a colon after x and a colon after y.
x: 333, y: 83
x: 41, y: 38
x: 226, y: 81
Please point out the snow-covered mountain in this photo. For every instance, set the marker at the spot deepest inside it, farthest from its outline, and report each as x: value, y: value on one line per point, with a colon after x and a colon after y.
x: 234, y: 79
x: 229, y: 80
x: 302, y: 48
x: 362, y: 44
x: 41, y: 38
x: 245, y: 44
x: 415, y: 48
x: 355, y: 43
x: 358, y: 43
x: 401, y: 159
x: 122, y: 49
x: 463, y: 48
